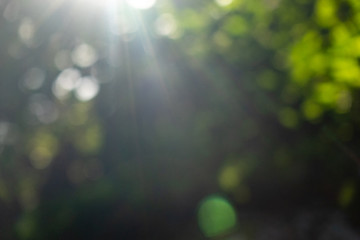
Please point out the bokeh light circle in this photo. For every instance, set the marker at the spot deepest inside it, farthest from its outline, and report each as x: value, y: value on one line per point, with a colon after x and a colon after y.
x: 216, y: 216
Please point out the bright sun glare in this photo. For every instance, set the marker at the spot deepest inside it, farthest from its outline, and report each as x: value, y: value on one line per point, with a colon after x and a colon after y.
x: 141, y: 4
x: 138, y: 4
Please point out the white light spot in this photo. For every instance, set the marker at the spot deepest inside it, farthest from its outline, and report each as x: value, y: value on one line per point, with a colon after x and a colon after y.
x: 87, y: 89
x: 166, y: 25
x: 67, y: 80
x: 223, y: 3
x: 141, y: 4
x: 84, y: 55
x: 26, y: 31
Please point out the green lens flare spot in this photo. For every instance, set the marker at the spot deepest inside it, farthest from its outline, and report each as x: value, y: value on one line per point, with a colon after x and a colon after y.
x: 216, y: 216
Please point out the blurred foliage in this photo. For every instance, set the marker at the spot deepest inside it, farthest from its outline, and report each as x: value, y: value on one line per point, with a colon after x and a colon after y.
x: 184, y: 119
x: 216, y: 215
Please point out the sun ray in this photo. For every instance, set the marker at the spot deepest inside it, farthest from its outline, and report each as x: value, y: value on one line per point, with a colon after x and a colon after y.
x: 149, y: 48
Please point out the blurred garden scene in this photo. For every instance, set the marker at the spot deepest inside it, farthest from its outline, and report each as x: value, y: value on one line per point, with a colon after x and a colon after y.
x: 179, y: 119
